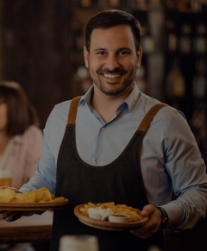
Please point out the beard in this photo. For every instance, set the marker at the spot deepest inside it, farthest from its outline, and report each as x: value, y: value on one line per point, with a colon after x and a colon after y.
x: 116, y: 88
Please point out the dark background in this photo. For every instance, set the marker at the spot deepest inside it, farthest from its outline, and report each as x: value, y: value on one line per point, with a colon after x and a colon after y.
x: 36, y: 42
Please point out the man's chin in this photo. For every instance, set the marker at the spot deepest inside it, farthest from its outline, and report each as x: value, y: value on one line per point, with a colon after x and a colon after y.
x: 111, y: 93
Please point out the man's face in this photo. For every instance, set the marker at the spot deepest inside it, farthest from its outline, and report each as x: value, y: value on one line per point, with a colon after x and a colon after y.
x: 113, y: 60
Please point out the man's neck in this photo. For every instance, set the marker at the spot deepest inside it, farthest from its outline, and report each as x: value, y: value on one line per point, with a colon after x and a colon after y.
x: 106, y: 105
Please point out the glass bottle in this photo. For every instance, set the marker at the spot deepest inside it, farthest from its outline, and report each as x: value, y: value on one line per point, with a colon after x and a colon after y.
x: 171, y: 36
x: 147, y: 42
x: 78, y: 243
x: 196, y: 5
x: 113, y: 4
x: 139, y: 5
x: 185, y: 39
x: 175, y: 82
x: 199, y: 80
x: 170, y: 4
x: 200, y: 41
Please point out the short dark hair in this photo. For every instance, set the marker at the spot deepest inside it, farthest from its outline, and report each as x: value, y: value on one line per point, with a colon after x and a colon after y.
x: 109, y: 18
x: 21, y: 113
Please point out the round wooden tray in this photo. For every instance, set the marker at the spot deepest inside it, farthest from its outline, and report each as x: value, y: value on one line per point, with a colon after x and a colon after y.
x: 36, y: 206
x: 106, y: 225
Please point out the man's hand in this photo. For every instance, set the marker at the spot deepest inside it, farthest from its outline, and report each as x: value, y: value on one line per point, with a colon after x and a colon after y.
x: 10, y: 215
x: 12, y: 188
x: 152, y: 225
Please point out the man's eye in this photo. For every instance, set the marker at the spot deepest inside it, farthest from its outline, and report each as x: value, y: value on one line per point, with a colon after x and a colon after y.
x: 100, y: 52
x: 124, y: 52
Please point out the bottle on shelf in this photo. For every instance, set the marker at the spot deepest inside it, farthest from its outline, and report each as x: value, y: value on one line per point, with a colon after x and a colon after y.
x: 200, y: 40
x: 170, y: 4
x: 175, y: 81
x: 196, y: 5
x: 200, y: 80
x: 154, y: 4
x: 139, y: 5
x: 147, y: 42
x: 113, y: 4
x: 185, y: 39
x: 181, y: 5
x: 85, y: 3
x: 171, y: 36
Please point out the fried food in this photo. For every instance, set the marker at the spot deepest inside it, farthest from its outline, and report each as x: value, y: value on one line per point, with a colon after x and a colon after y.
x: 6, y: 195
x: 134, y: 213
x: 39, y: 195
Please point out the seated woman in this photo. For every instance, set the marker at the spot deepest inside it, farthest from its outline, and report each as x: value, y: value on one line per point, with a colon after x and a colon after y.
x: 21, y: 140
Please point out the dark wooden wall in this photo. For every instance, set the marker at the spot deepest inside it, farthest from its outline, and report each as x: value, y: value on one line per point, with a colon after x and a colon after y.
x: 36, y: 46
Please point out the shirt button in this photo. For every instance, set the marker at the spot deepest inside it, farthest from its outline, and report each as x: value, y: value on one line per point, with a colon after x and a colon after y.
x: 98, y: 161
x: 103, y: 129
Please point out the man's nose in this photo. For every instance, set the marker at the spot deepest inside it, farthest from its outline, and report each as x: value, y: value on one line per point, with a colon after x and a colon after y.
x: 112, y: 62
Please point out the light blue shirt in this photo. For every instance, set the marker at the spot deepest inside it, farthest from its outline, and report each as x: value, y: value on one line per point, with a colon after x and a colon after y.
x: 170, y: 158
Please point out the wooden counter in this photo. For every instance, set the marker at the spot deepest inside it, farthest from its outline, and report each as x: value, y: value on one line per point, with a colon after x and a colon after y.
x: 36, y: 228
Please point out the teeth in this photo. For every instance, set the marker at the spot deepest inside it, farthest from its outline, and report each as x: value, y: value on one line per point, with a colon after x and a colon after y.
x: 112, y: 75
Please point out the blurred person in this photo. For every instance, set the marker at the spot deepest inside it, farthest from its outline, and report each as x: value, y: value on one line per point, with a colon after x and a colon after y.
x: 21, y: 140
x: 117, y: 144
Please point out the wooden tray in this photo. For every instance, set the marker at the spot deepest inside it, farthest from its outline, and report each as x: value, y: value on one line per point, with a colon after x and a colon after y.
x: 106, y: 225
x: 36, y: 206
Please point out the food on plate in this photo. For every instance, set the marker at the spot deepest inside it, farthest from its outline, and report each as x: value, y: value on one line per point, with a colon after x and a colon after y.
x: 134, y: 213
x: 38, y: 195
x: 120, y: 218
x: 99, y: 213
x: 6, y: 195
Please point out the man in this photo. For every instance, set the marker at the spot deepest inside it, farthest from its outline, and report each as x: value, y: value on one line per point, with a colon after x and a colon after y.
x: 114, y: 149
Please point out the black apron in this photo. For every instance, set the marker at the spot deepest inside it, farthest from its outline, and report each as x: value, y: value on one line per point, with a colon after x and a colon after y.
x: 120, y: 182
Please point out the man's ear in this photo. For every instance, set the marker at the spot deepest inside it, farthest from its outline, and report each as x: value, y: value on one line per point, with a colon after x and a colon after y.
x: 85, y: 55
x: 139, y: 57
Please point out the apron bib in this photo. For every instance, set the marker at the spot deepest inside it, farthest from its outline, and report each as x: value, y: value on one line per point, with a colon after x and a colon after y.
x: 120, y: 182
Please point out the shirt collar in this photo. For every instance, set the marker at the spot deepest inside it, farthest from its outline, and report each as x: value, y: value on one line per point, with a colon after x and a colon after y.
x: 132, y: 98
x: 86, y: 97
x: 128, y: 103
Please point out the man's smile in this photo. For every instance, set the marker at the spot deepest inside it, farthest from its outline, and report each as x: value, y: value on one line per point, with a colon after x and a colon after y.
x: 107, y: 75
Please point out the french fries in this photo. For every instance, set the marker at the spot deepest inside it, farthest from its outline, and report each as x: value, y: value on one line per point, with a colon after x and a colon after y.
x: 134, y: 213
x: 38, y: 195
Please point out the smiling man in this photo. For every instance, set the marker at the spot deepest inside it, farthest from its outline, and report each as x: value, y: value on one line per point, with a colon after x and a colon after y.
x: 117, y: 144
x: 113, y: 59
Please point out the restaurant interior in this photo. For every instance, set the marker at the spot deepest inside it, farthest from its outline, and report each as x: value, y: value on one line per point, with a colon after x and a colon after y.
x: 41, y: 49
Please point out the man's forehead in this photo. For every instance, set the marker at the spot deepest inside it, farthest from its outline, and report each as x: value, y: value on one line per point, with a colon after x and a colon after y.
x: 114, y: 27
x: 103, y: 37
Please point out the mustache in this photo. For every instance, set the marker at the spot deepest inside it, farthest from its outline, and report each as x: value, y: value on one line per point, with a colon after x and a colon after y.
x: 115, y: 71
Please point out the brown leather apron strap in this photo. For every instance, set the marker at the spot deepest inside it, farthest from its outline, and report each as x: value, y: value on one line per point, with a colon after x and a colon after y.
x: 149, y: 116
x: 73, y: 110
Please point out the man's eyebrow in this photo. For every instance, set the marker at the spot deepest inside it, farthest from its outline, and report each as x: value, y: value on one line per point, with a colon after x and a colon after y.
x: 119, y: 49
x: 124, y: 48
x: 100, y: 49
